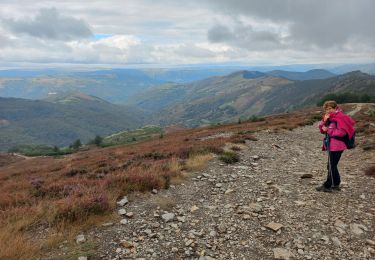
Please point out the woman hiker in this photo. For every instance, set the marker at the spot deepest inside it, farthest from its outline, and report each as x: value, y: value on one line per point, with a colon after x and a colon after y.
x: 335, y: 124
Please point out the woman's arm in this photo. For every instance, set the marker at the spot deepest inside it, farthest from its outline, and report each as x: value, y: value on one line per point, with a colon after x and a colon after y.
x: 334, y: 131
x: 322, y: 128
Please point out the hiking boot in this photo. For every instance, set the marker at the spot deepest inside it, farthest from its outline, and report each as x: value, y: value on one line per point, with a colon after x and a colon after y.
x: 336, y: 188
x: 323, y: 189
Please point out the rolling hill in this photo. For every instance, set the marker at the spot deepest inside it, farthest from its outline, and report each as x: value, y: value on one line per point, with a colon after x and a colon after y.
x: 117, y: 85
x: 243, y: 94
x: 62, y: 119
x: 311, y: 74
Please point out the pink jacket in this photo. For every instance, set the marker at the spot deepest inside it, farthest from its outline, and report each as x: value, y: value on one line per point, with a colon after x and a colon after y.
x: 341, y: 124
x: 334, y: 144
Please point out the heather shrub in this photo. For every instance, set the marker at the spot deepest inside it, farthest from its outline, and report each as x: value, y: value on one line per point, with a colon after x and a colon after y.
x: 78, y: 207
x: 229, y: 157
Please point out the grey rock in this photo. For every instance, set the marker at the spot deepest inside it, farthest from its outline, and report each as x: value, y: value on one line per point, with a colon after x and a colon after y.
x: 357, y: 229
x: 123, y: 201
x: 80, y: 239
x: 121, y: 212
x: 281, y: 253
x: 274, y: 226
x: 181, y: 219
x: 167, y: 217
x: 340, y: 224
x: 129, y: 214
x: 336, y: 241
x: 255, y: 207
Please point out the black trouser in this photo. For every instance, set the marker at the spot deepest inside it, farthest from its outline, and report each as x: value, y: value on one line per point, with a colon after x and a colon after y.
x: 333, y: 173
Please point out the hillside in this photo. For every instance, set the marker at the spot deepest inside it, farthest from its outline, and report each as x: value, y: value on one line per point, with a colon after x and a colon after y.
x: 115, y: 85
x: 223, y: 210
x: 62, y: 119
x: 263, y: 207
x: 303, y: 93
x: 241, y: 95
x: 211, y: 100
x: 311, y: 74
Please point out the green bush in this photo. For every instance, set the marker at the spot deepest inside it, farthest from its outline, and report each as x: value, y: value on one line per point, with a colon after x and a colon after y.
x: 39, y: 150
x: 229, y: 157
x: 254, y: 118
x: 97, y: 140
x: 76, y: 144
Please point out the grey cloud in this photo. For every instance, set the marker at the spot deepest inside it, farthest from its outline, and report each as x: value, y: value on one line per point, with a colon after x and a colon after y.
x: 319, y: 23
x: 49, y: 24
x: 244, y: 37
x: 190, y: 50
x: 4, y: 41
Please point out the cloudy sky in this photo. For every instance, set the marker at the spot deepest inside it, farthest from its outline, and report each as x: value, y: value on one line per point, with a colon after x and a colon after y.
x: 166, y: 32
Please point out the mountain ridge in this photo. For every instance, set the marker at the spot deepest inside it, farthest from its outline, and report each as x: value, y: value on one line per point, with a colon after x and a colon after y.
x: 227, y: 98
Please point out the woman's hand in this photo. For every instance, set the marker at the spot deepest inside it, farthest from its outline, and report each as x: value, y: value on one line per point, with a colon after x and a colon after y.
x: 326, y: 116
x: 324, y: 128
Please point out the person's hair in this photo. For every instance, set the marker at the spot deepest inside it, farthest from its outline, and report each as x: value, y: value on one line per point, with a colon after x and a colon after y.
x: 330, y: 103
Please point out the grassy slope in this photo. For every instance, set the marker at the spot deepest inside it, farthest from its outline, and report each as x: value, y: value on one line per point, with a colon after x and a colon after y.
x: 78, y: 189
x: 229, y: 97
x: 41, y: 122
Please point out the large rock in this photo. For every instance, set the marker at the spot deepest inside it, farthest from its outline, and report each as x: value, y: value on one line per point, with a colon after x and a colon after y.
x: 340, y: 224
x: 281, y: 253
x: 336, y: 241
x: 123, y: 202
x: 126, y: 244
x: 274, y: 226
x: 167, y: 217
x: 255, y: 207
x: 194, y: 209
x: 80, y: 239
x: 357, y: 229
x: 121, y: 212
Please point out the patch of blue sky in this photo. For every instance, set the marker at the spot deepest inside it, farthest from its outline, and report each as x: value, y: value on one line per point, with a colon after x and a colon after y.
x: 99, y: 36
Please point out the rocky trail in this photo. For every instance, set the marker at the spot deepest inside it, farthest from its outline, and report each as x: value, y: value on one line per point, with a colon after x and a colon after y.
x: 263, y: 207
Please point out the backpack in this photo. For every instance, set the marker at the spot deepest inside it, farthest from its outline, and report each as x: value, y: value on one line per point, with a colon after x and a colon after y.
x: 349, y: 142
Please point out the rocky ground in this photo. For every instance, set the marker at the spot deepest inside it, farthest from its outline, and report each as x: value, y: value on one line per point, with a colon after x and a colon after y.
x: 263, y: 207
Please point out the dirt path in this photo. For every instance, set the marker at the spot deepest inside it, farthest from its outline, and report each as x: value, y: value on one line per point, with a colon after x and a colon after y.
x: 357, y: 109
x: 223, y: 211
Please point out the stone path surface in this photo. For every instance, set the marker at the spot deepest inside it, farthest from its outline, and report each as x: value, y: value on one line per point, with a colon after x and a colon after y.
x: 263, y: 207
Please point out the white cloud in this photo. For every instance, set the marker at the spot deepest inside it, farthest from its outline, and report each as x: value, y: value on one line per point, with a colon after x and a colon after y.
x: 170, y: 32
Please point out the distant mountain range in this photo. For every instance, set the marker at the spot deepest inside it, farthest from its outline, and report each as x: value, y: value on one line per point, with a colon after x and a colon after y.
x: 116, y: 85
x: 62, y: 119
x: 311, y: 74
x: 244, y: 94
x: 60, y: 116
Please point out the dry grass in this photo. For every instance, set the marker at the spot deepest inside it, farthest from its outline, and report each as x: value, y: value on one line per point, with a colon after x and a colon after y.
x: 72, y: 190
x: 180, y: 178
x: 235, y: 148
x: 16, y: 246
x: 198, y: 162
